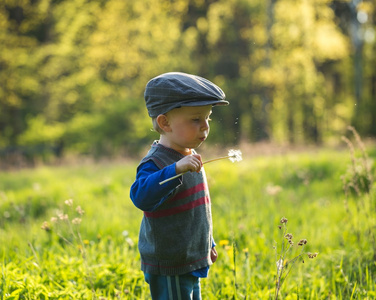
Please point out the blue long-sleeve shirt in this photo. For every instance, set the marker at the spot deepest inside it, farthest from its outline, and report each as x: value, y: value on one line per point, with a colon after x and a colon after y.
x: 147, y: 194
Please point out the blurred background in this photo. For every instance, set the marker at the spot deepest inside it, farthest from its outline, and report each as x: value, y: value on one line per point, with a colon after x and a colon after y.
x: 73, y: 73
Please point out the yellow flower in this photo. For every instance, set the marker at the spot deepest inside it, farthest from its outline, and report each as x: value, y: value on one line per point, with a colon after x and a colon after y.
x: 224, y: 242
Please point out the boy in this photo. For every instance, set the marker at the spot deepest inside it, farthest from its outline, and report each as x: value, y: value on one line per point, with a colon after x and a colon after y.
x: 175, y: 241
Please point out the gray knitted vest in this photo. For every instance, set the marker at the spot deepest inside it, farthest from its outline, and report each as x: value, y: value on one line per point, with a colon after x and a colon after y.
x: 177, y: 237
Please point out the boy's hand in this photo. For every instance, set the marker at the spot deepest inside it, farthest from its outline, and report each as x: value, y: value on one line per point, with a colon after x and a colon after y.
x: 191, y: 163
x: 213, y: 255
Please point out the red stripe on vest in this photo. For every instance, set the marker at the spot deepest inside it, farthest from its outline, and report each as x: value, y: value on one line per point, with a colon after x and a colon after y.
x: 198, y: 188
x: 178, y: 209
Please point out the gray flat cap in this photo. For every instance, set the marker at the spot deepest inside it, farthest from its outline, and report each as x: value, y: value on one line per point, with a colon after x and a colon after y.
x: 172, y: 90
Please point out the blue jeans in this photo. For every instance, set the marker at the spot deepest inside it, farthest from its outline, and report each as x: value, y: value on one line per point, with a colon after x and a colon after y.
x: 180, y: 287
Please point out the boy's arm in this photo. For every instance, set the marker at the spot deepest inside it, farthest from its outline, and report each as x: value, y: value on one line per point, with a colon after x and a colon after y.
x: 146, y: 192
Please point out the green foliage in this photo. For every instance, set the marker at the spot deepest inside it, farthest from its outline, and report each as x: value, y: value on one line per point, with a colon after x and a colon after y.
x: 68, y: 66
x: 248, y: 200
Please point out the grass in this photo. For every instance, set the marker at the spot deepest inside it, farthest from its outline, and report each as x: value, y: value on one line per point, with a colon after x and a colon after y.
x: 249, y: 199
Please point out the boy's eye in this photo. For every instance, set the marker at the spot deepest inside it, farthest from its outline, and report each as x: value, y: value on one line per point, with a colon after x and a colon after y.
x: 198, y: 119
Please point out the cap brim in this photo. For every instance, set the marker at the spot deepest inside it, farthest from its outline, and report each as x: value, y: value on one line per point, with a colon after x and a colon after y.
x: 204, y: 103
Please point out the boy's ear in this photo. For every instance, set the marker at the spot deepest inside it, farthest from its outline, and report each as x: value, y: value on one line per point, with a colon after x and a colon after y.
x: 163, y: 123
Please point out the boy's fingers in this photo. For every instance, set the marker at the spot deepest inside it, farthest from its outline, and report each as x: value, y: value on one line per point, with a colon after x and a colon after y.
x: 198, y: 156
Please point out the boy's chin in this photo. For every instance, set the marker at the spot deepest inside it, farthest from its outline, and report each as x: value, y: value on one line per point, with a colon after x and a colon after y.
x: 198, y: 145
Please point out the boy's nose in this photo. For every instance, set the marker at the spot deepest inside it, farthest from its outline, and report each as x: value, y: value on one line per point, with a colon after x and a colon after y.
x: 205, y: 125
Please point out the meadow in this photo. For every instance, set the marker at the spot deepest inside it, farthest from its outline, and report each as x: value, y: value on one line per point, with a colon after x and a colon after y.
x: 70, y: 232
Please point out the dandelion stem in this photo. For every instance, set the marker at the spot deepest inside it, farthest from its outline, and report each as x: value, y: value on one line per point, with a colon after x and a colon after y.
x: 215, y: 159
x: 178, y: 175
x: 172, y: 178
x: 234, y: 155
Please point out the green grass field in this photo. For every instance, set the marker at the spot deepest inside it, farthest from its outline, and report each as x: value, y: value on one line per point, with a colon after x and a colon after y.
x: 98, y: 258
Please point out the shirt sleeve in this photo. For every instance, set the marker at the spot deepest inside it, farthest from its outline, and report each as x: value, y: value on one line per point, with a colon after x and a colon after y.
x: 146, y: 192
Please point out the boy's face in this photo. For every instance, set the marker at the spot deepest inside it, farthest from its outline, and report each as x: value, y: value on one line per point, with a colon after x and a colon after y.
x: 188, y: 127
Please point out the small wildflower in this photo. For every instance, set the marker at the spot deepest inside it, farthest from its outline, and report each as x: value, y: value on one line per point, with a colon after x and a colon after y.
x: 312, y: 255
x: 86, y: 242
x: 46, y: 226
x: 69, y: 202
x: 283, y: 220
x: 63, y: 216
x: 129, y: 241
x: 76, y: 221
x: 80, y: 210
x: 273, y: 190
x: 53, y: 219
x: 288, y: 236
x: 224, y: 242
x: 302, y: 242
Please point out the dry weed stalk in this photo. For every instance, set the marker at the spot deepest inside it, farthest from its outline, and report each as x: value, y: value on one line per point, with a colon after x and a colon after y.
x: 73, y: 236
x: 358, y: 181
x: 358, y: 177
x: 283, y: 264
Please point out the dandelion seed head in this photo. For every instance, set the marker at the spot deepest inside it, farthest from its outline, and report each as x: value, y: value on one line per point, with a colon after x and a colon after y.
x: 235, y: 155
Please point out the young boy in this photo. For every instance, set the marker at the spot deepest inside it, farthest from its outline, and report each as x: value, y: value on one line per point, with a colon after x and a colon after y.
x: 175, y: 241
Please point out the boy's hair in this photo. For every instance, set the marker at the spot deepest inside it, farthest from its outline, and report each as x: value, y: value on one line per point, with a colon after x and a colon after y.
x: 156, y: 126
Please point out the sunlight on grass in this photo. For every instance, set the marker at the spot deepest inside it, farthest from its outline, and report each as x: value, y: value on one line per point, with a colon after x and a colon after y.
x: 248, y: 200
